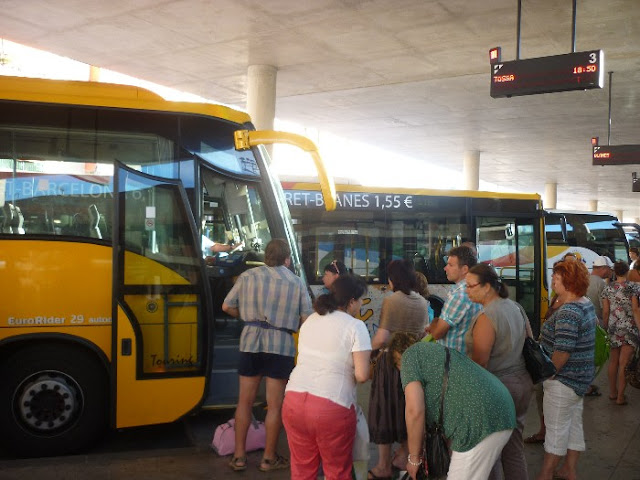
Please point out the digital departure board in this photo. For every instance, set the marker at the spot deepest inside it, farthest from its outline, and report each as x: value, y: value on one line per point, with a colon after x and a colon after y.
x: 558, y: 73
x: 616, y: 154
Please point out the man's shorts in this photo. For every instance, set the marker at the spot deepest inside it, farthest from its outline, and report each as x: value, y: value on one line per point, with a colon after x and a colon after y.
x: 269, y: 365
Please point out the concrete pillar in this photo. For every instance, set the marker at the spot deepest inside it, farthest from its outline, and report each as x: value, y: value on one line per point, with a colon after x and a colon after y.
x: 94, y: 73
x: 471, y: 169
x: 593, y: 205
x: 550, y: 199
x: 620, y: 215
x: 261, y: 97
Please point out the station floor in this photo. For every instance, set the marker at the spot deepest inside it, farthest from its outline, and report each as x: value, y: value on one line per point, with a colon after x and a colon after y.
x: 612, y: 434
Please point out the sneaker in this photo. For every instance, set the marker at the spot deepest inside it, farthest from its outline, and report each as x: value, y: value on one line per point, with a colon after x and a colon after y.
x: 277, y: 463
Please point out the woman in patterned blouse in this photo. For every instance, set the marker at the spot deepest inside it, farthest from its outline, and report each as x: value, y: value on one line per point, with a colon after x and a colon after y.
x: 617, y: 317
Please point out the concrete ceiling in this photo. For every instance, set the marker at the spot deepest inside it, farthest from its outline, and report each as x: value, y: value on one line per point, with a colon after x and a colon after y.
x: 411, y: 76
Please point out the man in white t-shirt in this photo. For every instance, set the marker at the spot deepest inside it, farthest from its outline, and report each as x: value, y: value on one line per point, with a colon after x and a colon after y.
x: 209, y: 247
x: 633, y: 255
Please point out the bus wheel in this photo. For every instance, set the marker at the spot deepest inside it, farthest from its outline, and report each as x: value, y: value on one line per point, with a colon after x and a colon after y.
x: 53, y: 400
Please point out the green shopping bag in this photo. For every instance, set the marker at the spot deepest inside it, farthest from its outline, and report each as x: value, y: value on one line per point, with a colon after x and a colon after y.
x: 603, y: 346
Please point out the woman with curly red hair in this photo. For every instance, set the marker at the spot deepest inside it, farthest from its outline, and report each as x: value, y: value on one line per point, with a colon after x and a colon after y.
x: 568, y: 336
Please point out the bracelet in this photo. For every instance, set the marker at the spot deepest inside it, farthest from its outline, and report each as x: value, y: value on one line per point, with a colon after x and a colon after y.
x: 415, y: 464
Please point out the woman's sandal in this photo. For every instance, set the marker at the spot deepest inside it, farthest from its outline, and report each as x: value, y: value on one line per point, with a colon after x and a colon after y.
x: 535, y: 438
x: 238, y: 464
x: 373, y: 476
x: 277, y: 463
x: 593, y: 391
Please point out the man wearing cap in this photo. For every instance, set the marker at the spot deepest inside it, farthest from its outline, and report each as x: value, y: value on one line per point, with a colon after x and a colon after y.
x: 600, y: 270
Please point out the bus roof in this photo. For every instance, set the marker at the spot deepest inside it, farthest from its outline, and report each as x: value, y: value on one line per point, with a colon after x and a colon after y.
x: 98, y: 94
x: 579, y: 212
x: 413, y: 191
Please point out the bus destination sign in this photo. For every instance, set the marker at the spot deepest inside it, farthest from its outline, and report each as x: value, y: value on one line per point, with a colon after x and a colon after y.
x: 351, y: 200
x: 557, y: 73
x: 616, y: 154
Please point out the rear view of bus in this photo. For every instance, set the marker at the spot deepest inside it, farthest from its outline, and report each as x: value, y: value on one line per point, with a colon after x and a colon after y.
x: 585, y: 234
x: 109, y: 314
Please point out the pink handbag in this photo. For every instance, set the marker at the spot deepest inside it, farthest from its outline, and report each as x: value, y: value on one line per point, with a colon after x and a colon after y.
x: 224, y: 437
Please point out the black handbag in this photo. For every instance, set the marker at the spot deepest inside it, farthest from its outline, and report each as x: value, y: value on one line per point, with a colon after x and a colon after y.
x: 437, y: 455
x: 538, y: 363
x: 421, y: 475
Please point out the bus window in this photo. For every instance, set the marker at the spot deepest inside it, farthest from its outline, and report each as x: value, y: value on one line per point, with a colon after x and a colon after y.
x: 632, y: 232
x: 57, y: 187
x: 214, y: 148
x: 600, y: 235
x: 362, y: 252
x: 426, y: 239
x: 355, y: 244
x: 325, y: 238
x: 586, y: 234
x: 216, y: 226
x: 495, y: 242
x: 234, y: 212
x: 508, y: 244
x: 555, y: 230
x: 589, y: 234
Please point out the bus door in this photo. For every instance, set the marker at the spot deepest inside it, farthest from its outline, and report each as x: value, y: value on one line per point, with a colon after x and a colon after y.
x: 232, y: 211
x: 160, y: 346
x: 508, y: 244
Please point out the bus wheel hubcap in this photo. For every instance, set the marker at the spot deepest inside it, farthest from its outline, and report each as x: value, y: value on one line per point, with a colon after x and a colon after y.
x: 48, y: 400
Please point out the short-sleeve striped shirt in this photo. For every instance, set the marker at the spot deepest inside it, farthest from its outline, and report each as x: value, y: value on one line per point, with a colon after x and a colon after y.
x: 571, y: 329
x: 458, y: 311
x: 274, y: 295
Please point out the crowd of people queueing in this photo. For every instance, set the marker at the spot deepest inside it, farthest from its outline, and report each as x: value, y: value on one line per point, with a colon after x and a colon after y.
x: 488, y: 389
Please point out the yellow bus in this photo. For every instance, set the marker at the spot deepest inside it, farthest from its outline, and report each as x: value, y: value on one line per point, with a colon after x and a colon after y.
x: 373, y: 225
x: 109, y: 314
